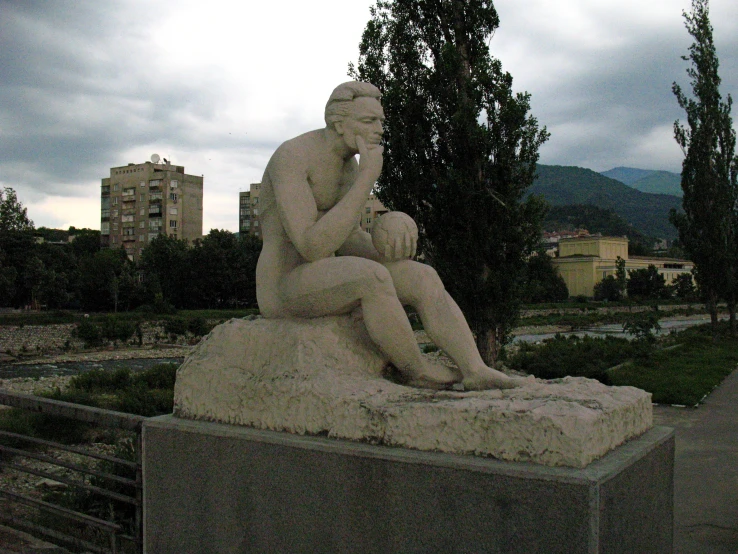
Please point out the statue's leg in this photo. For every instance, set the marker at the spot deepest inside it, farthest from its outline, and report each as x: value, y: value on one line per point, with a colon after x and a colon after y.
x: 337, y: 285
x: 418, y: 285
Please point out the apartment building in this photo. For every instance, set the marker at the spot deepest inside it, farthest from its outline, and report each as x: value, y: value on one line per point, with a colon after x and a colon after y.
x: 141, y: 201
x: 248, y: 211
x: 373, y: 208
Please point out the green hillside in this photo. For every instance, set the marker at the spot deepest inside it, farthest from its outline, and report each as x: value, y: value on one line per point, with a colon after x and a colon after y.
x: 595, y: 220
x: 660, y: 182
x: 565, y: 185
x: 647, y: 180
x: 627, y: 175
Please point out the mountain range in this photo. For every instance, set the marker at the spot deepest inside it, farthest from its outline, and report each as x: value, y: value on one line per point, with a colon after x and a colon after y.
x: 647, y: 212
x: 647, y: 180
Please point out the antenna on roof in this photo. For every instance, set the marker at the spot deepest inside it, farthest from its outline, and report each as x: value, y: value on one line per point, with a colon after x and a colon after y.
x: 155, y: 158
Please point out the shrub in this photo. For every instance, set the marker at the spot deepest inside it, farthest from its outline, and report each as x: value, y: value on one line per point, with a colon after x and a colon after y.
x: 175, y: 326
x: 576, y: 356
x: 115, y: 329
x: 198, y: 326
x: 608, y: 289
x: 642, y: 326
x: 89, y: 333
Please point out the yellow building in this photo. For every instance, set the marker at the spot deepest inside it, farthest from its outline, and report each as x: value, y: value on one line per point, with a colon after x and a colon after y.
x: 585, y: 261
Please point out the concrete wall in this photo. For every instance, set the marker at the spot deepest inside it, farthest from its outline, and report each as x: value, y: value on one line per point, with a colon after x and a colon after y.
x: 228, y: 489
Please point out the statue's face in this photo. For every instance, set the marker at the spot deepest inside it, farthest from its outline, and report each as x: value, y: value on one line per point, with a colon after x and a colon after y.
x: 365, y: 120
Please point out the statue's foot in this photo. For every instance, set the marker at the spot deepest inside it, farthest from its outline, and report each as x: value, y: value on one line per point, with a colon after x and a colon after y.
x: 488, y: 378
x: 434, y: 376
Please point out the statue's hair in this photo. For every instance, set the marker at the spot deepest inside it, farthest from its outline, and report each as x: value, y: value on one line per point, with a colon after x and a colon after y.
x: 339, y: 103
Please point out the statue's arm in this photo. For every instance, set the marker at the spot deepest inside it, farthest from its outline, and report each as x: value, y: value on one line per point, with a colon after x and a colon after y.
x: 315, y: 238
x: 359, y: 243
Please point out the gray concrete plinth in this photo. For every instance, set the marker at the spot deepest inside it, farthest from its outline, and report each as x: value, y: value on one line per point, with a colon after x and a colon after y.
x: 218, y: 488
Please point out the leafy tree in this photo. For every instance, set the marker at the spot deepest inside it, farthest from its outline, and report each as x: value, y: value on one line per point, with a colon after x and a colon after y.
x: 13, y: 216
x: 608, y: 289
x: 684, y: 288
x: 167, y: 270
x: 707, y: 228
x: 101, y: 278
x: 460, y: 152
x: 647, y: 284
x: 544, y: 284
x: 620, y: 275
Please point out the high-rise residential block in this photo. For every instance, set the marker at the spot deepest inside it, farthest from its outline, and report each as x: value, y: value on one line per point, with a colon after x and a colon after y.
x: 141, y: 201
x: 248, y: 211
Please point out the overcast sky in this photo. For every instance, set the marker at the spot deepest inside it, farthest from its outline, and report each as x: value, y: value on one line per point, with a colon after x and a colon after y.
x: 217, y: 85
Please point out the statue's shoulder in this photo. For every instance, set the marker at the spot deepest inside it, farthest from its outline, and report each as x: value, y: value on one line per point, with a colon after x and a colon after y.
x: 303, y: 146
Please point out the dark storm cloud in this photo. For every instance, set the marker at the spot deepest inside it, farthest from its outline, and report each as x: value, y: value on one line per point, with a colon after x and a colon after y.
x: 603, y: 88
x: 76, y: 89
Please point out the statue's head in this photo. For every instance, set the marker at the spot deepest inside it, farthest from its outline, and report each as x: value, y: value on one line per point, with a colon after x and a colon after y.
x: 354, y: 108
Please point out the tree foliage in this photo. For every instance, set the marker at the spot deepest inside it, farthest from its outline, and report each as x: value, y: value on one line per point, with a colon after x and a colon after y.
x: 460, y: 152
x: 543, y: 281
x: 647, y: 284
x: 707, y: 228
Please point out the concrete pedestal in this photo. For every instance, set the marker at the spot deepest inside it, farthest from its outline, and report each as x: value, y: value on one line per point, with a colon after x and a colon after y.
x: 226, y: 489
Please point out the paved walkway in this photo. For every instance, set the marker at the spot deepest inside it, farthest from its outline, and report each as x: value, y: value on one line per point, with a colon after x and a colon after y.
x: 706, y: 472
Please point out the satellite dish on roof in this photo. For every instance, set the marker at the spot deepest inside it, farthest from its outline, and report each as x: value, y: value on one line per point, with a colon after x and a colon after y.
x: 155, y: 158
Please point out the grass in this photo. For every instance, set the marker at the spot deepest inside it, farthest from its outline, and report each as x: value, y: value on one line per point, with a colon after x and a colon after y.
x: 147, y: 393
x: 680, y: 369
x: 63, y: 316
x: 686, y: 373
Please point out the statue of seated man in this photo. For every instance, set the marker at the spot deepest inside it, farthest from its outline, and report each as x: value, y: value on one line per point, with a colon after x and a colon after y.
x: 316, y: 261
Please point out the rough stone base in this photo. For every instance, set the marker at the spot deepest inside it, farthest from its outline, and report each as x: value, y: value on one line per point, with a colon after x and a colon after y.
x: 226, y: 489
x: 324, y: 377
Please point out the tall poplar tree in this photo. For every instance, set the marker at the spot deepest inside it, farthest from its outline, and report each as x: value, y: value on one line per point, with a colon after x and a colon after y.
x: 460, y: 152
x: 708, y: 228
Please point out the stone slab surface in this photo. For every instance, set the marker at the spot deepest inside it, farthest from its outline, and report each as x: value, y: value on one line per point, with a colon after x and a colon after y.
x: 227, y: 489
x: 324, y: 377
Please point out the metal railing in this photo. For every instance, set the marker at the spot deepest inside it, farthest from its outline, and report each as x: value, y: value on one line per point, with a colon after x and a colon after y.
x: 116, y: 534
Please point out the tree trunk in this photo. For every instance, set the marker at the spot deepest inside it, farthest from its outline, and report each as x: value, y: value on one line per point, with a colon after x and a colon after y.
x: 488, y: 346
x: 712, y: 308
x: 731, y: 311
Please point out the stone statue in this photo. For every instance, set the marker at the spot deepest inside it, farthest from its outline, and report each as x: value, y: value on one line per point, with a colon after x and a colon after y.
x: 316, y: 261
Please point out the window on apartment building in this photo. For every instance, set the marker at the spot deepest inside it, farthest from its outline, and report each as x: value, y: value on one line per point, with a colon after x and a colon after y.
x: 256, y: 223
x: 115, y: 226
x: 255, y: 201
x: 142, y: 211
x: 143, y: 183
x: 368, y: 220
x: 114, y: 239
x: 115, y: 188
x: 245, y: 224
x: 105, y: 213
x: 172, y: 223
x: 172, y: 211
x: 368, y: 210
x: 173, y: 196
x: 152, y: 236
x: 126, y: 218
x: 141, y: 238
x: 115, y: 201
x: 105, y: 228
x: 113, y: 213
x: 174, y: 184
x: 142, y: 197
x: 141, y: 224
x: 244, y: 200
x: 155, y: 183
x: 256, y: 211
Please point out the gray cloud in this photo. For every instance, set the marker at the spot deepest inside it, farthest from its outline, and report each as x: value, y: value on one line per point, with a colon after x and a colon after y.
x: 84, y: 86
